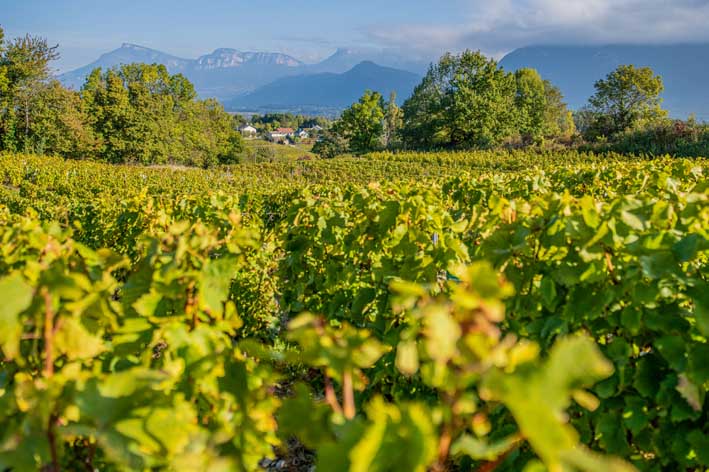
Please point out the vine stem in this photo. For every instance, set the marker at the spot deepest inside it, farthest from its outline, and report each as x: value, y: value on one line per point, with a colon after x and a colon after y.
x: 348, y: 395
x: 48, y: 335
x: 609, y: 263
x: 53, y: 442
x: 330, y: 396
x: 90, y: 459
x: 49, y: 372
x: 190, y: 308
x: 448, y: 429
x: 444, y: 445
x: 491, y: 466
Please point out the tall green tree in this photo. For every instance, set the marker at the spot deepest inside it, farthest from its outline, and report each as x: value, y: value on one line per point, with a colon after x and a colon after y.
x: 464, y: 101
x: 142, y: 114
x: 541, y: 111
x: 24, y: 66
x: 393, y: 123
x: 626, y: 97
x: 209, y: 135
x: 361, y: 125
x: 6, y: 131
x: 61, y: 124
x: 558, y: 119
x: 330, y: 144
x: 108, y: 103
x: 4, y: 83
x: 531, y: 105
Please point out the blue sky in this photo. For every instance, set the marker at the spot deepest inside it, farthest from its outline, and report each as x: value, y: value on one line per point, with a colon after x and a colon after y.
x: 306, y: 29
x: 313, y: 29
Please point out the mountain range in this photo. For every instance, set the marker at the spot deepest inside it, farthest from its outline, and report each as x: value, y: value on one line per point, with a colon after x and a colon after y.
x: 223, y: 74
x: 263, y: 80
x: 228, y: 73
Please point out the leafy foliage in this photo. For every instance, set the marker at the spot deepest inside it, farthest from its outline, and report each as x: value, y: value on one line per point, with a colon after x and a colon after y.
x: 142, y: 114
x: 24, y: 78
x: 453, y: 313
x: 330, y: 145
x: 393, y: 123
x: 539, y: 104
x: 361, y: 125
x: 463, y: 101
x: 628, y: 95
x: 138, y: 113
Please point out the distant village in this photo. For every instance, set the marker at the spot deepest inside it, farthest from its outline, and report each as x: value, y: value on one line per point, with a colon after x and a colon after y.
x: 282, y: 135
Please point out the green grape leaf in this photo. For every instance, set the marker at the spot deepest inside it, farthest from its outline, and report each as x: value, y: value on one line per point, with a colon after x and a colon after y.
x: 215, y: 284
x: 537, y: 396
x: 147, y: 305
x: 442, y: 334
x: 699, y: 442
x: 692, y: 393
x: 16, y: 296
x: 396, y: 438
x: 700, y: 296
x: 482, y: 450
x: 686, y: 249
x: 305, y: 418
x: 407, y: 357
x: 74, y: 340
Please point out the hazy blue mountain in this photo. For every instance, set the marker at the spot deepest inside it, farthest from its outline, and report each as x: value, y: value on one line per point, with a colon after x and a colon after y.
x: 222, y: 74
x: 226, y: 73
x: 225, y: 58
x: 328, y: 90
x: 574, y: 69
x: 126, y: 54
x: 345, y: 59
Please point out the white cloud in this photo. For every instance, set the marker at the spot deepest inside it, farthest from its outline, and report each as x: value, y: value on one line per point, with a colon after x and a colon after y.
x: 501, y: 25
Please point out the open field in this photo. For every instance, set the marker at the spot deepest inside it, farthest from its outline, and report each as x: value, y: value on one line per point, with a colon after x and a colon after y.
x: 413, y: 311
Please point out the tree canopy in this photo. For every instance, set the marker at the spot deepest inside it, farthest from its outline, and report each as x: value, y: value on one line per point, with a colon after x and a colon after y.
x: 626, y: 97
x: 393, y: 123
x: 24, y: 78
x: 136, y: 113
x: 468, y: 101
x: 362, y: 123
x: 465, y: 100
x: 142, y: 114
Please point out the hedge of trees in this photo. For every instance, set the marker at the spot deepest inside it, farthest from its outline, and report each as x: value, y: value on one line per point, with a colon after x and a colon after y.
x: 137, y: 113
x: 467, y: 101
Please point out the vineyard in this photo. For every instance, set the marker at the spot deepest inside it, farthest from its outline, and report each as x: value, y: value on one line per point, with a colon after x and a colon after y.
x: 485, y: 311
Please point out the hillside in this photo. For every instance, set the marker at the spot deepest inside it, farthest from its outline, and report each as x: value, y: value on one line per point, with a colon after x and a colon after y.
x: 575, y: 69
x: 328, y: 90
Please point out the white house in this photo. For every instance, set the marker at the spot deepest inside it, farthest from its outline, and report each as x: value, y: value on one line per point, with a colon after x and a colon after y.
x: 281, y: 134
x: 248, y: 131
x: 302, y: 134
